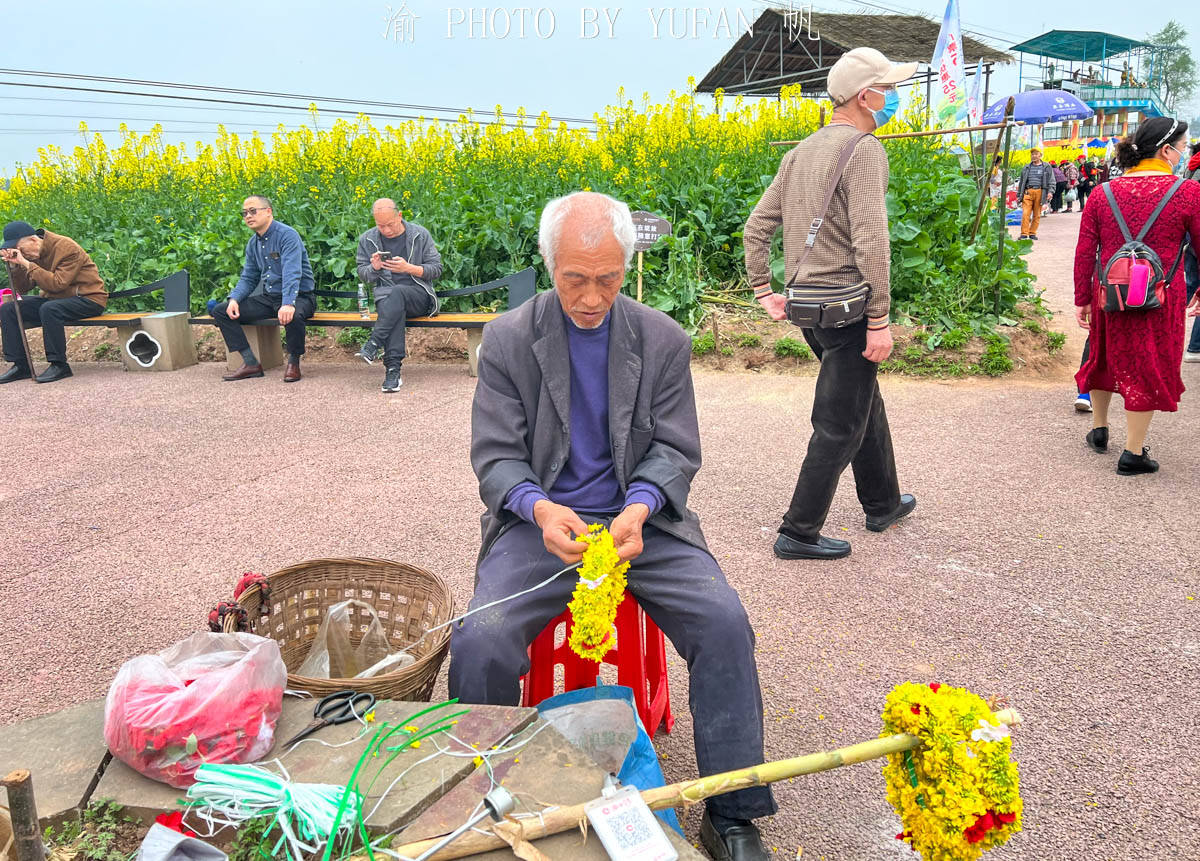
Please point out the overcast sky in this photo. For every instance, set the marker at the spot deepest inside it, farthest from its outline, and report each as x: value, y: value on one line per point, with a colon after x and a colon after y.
x: 360, y: 49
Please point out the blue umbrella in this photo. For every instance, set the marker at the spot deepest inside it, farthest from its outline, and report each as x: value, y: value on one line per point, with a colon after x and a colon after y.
x: 1040, y: 106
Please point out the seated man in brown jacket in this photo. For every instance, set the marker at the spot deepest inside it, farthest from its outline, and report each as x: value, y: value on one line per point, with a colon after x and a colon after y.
x: 70, y: 287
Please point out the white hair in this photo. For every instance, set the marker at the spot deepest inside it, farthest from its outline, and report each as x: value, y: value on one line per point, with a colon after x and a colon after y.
x: 620, y: 223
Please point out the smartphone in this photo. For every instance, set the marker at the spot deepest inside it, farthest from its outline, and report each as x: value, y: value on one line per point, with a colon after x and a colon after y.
x: 385, y: 255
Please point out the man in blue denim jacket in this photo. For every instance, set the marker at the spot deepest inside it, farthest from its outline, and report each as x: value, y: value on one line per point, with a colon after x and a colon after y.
x: 277, y: 259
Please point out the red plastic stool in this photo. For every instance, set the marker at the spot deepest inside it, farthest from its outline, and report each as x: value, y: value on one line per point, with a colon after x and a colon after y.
x: 640, y: 656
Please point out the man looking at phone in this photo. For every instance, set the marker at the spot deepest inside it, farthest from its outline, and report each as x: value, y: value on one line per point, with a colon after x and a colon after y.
x: 276, y: 258
x: 399, y: 260
x: 70, y: 288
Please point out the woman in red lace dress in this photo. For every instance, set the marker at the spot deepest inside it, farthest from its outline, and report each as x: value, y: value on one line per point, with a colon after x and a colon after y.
x: 1136, y: 353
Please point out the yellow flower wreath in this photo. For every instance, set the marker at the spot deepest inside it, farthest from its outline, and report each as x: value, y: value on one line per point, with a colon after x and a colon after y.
x: 958, y: 793
x: 600, y: 589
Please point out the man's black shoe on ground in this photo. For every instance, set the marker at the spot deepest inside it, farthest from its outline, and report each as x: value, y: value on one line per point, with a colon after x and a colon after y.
x: 16, y: 372
x: 731, y: 840
x: 907, y: 503
x: 787, y: 547
x: 57, y: 371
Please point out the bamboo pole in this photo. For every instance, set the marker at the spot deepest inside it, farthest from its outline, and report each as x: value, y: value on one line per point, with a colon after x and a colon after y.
x: 14, y: 298
x: 27, y: 836
x: 1002, y: 233
x: 926, y: 133
x: 558, y: 820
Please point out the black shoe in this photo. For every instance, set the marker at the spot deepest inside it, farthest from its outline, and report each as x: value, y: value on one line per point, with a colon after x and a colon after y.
x: 1136, y: 464
x: 1033, y: 236
x: 737, y: 843
x: 1097, y: 440
x: 907, y: 503
x: 392, y: 381
x: 57, y: 371
x: 823, y: 548
x: 368, y: 352
x: 1023, y: 236
x: 16, y: 372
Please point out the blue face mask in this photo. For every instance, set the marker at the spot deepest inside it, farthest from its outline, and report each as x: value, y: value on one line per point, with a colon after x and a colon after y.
x: 891, y: 104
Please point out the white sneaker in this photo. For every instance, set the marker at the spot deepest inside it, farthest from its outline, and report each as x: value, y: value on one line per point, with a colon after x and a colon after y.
x: 1189, y: 356
x: 1083, y: 402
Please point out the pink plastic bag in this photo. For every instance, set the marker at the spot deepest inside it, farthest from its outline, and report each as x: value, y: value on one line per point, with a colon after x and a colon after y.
x: 210, y: 698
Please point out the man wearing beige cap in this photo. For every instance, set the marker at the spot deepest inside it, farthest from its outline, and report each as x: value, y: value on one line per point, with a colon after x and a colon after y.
x: 849, y: 247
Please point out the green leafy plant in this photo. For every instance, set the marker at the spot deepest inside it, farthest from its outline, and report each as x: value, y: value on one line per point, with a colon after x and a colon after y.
x: 792, y: 347
x: 727, y: 350
x: 704, y: 344
x: 955, y: 339
x: 749, y: 339
x: 995, y: 361
x: 352, y: 336
x: 95, y: 835
x: 1055, y: 341
x: 105, y: 351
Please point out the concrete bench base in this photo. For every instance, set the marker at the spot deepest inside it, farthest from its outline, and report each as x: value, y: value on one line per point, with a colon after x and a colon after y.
x: 159, y: 342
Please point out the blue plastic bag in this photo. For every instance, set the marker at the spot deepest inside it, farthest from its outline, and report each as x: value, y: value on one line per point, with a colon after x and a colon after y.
x: 640, y: 767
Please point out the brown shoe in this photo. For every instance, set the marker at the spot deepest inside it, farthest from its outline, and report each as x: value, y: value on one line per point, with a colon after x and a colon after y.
x: 291, y: 374
x: 245, y: 372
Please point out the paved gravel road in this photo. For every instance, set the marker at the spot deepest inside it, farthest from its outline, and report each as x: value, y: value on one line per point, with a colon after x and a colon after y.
x: 1029, y: 570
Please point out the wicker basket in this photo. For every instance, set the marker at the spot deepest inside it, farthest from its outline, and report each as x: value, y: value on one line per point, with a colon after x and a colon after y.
x: 408, y: 599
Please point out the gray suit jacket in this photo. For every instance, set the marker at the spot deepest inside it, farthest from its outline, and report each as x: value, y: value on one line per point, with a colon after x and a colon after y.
x: 520, y: 419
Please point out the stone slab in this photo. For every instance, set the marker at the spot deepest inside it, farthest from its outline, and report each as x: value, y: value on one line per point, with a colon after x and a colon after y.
x: 311, y: 761
x: 546, y: 770
x: 264, y: 341
x: 168, y: 339
x: 62, y: 752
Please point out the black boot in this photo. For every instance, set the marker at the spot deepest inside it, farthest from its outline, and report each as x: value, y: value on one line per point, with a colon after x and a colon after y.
x: 1097, y: 440
x: 57, y: 371
x: 1136, y: 464
x: 16, y: 372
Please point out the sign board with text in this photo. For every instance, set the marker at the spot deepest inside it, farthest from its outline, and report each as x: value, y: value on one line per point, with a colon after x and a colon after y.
x: 650, y: 228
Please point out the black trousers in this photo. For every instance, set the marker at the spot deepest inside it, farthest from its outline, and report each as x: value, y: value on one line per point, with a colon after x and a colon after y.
x: 682, y: 590
x: 850, y: 427
x: 52, y: 315
x: 1056, y: 202
x: 264, y: 306
x: 409, y: 300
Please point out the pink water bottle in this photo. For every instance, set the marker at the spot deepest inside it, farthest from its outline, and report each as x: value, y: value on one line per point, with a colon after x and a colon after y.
x: 1139, y: 282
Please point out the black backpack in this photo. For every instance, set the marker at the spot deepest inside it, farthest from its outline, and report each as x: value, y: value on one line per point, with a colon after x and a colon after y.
x: 1116, y: 275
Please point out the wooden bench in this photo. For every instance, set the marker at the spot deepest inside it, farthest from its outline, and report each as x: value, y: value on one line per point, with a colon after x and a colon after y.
x: 159, y: 340
x: 521, y: 287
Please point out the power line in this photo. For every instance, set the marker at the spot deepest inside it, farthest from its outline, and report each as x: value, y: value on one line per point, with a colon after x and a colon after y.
x: 95, y: 103
x: 268, y: 94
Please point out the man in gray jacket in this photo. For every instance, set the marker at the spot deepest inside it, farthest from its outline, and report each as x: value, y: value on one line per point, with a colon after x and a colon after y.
x: 1036, y: 185
x: 399, y: 260
x: 584, y: 413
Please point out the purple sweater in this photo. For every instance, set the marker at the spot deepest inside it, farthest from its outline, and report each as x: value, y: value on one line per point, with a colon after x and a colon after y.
x: 588, y: 481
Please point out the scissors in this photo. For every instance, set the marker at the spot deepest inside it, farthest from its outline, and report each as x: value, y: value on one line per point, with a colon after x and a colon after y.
x: 342, y: 707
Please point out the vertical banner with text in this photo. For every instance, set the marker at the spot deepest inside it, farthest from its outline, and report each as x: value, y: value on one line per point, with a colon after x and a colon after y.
x: 949, y: 90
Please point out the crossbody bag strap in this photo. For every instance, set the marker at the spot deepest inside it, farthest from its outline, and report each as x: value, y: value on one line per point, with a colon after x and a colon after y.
x: 814, y: 228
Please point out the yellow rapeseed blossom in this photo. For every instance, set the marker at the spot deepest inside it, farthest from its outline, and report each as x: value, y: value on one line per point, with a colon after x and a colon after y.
x: 601, y: 588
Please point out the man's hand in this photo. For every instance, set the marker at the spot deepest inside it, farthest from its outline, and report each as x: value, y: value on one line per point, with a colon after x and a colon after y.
x: 15, y: 257
x: 626, y: 531
x: 775, y: 305
x: 1193, y: 308
x: 559, y: 526
x: 377, y: 261
x: 233, y: 310
x: 879, y: 345
x: 286, y: 313
x: 1083, y: 316
x: 396, y: 264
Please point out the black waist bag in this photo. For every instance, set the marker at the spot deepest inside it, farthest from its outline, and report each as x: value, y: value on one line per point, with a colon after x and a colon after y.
x: 812, y: 306
x: 826, y: 307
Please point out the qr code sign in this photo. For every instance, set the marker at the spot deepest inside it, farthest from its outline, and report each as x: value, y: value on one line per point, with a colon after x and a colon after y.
x: 631, y: 829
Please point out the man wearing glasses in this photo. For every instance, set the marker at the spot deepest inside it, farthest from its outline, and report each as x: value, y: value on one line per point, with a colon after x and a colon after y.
x: 277, y: 259
x: 401, y: 263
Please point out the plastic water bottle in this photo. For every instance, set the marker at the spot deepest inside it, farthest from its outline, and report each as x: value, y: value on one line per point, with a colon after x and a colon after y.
x: 363, y: 311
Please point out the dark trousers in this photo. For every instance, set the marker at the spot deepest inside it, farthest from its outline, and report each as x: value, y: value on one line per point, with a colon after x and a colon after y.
x: 259, y: 307
x: 682, y: 590
x: 1056, y: 202
x: 1084, y: 190
x: 1191, y: 271
x: 52, y: 315
x: 404, y: 302
x: 850, y: 427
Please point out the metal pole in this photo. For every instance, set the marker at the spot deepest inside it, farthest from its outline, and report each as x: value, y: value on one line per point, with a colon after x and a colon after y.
x: 1003, y: 227
x: 27, y: 836
x: 929, y: 97
x: 641, y: 254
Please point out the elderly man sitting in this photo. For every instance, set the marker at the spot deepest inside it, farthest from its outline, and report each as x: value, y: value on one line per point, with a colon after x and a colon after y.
x: 584, y: 413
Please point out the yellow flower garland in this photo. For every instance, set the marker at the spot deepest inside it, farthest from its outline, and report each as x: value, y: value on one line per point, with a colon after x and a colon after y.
x: 958, y: 794
x: 600, y: 589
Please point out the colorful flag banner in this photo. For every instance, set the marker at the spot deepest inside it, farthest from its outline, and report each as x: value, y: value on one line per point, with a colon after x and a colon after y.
x: 950, y: 92
x: 975, y: 104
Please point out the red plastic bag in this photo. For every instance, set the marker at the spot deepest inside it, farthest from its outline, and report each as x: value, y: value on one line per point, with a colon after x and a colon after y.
x: 210, y: 698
